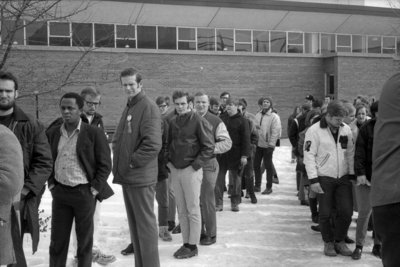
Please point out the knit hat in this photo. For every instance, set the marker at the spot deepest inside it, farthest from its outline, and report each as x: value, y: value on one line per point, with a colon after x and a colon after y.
x: 213, y: 101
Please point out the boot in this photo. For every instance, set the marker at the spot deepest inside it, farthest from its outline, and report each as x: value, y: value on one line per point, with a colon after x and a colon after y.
x: 164, y: 233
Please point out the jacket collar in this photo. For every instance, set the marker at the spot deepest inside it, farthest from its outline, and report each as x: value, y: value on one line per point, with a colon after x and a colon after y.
x: 19, y: 114
x: 132, y: 101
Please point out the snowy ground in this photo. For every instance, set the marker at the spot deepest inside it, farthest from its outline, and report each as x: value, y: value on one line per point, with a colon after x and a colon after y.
x: 274, y: 232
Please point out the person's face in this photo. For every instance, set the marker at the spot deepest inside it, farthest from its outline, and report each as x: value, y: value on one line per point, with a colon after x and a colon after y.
x: 8, y: 94
x: 91, y: 103
x: 327, y: 100
x: 201, y: 104
x: 163, y: 108
x: 232, y: 109
x: 309, y: 102
x: 334, y: 121
x: 214, y: 108
x: 350, y: 117
x: 266, y: 104
x: 70, y: 111
x: 362, y: 115
x: 223, y: 99
x: 131, y: 87
x: 181, y: 105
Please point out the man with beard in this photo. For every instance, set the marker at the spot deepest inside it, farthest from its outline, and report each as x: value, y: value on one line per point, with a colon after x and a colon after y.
x: 37, y: 159
x: 329, y: 161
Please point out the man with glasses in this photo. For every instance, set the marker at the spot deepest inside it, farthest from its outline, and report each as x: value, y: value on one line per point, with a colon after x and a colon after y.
x: 91, y: 98
x: 329, y: 161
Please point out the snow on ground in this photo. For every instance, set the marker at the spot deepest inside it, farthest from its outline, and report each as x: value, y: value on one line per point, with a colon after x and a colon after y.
x: 274, y: 232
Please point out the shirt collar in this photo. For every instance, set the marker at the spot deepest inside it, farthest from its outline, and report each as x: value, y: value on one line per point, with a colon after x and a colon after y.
x: 64, y: 131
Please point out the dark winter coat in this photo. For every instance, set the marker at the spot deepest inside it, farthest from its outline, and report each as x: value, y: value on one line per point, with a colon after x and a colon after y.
x: 94, y: 156
x: 363, y: 153
x: 163, y: 155
x: 137, y: 142
x: 37, y: 168
x: 239, y: 131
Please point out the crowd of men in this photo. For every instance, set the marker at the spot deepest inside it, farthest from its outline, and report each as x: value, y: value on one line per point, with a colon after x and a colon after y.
x: 180, y: 157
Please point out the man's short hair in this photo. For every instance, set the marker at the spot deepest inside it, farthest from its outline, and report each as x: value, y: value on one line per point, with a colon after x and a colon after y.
x: 5, y: 75
x: 131, y: 72
x: 160, y: 100
x: 224, y: 93
x: 306, y: 107
x: 336, y: 109
x: 200, y: 94
x: 179, y: 94
x: 310, y: 97
x: 316, y: 103
x: 232, y: 100
x: 243, y: 103
x: 348, y: 106
x: 374, y: 108
x: 89, y: 91
x: 213, y: 101
x: 77, y: 97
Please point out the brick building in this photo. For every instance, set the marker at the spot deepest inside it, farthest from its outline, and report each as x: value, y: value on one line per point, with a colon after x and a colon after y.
x: 251, y: 48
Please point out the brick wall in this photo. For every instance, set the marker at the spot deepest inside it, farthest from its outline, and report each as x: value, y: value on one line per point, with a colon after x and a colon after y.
x: 286, y: 78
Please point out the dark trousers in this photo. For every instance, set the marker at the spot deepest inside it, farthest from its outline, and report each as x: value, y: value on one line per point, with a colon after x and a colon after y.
x: 162, y: 197
x: 387, y: 226
x: 139, y: 204
x: 69, y: 203
x: 337, y: 195
x: 220, y: 184
x: 248, y: 174
x: 207, y: 198
x: 236, y: 193
x: 263, y: 154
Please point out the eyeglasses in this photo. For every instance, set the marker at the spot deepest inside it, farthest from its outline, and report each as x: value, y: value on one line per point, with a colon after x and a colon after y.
x: 90, y: 104
x: 162, y: 106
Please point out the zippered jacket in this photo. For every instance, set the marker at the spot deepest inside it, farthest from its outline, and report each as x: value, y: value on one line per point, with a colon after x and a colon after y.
x: 325, y: 157
x: 269, y: 128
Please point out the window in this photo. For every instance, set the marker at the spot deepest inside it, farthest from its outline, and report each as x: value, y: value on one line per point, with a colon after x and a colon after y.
x: 104, y: 35
x: 388, y: 45
x: 311, y: 43
x: 36, y: 33
x: 278, y: 42
x: 295, y: 42
x: 166, y: 37
x: 358, y: 44
x: 60, y: 34
x: 327, y: 43
x: 125, y: 36
x: 82, y: 34
x: 260, y: 41
x: 243, y: 40
x: 374, y: 44
x: 343, y: 43
x: 224, y: 40
x: 206, y: 39
x: 8, y: 26
x: 147, y: 37
x: 187, y: 38
x: 330, y: 84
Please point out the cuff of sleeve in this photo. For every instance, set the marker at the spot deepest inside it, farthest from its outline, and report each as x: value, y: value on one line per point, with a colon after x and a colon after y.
x: 314, y: 180
x: 196, y: 166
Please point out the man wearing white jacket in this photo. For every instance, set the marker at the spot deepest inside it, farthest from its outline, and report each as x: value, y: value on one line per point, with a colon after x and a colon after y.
x: 329, y: 161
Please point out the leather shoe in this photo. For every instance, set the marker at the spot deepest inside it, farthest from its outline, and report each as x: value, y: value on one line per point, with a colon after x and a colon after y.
x: 356, y: 255
x: 128, y: 250
x: 208, y: 240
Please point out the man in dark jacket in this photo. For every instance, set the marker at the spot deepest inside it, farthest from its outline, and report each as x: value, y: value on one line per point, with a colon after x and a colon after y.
x: 236, y: 158
x: 385, y: 181
x: 136, y: 144
x: 37, y: 159
x: 191, y: 144
x: 81, y: 168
